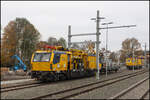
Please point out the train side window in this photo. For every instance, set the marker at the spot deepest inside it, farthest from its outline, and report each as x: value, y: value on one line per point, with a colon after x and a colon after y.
x: 56, y: 58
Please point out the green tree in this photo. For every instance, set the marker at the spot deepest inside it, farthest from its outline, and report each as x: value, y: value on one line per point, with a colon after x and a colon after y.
x: 28, y: 37
x: 9, y: 44
x: 20, y: 37
x: 62, y: 42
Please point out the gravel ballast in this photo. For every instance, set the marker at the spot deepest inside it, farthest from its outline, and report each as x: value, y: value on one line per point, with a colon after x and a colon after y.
x: 42, y: 90
x: 137, y: 92
x: 111, y: 90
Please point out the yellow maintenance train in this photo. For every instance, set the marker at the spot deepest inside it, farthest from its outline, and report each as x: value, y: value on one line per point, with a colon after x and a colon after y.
x: 58, y: 63
x: 136, y: 62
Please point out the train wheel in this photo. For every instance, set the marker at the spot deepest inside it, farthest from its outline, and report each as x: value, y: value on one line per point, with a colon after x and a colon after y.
x: 129, y: 68
x: 63, y: 77
x: 68, y: 75
x: 116, y: 70
x: 140, y: 67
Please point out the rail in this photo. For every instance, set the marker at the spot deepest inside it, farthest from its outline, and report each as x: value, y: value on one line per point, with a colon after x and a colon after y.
x: 66, y: 93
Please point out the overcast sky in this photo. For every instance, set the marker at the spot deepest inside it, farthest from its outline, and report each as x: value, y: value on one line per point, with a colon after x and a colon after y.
x: 52, y: 19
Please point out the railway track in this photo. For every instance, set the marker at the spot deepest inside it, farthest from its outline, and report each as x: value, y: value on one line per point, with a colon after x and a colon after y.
x: 6, y: 87
x: 68, y: 93
x: 29, y: 85
x: 145, y: 94
x: 129, y: 92
x: 21, y: 86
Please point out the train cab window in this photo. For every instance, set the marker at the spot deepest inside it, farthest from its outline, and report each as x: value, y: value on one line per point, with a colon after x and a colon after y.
x: 42, y: 57
x: 45, y: 57
x: 56, y: 58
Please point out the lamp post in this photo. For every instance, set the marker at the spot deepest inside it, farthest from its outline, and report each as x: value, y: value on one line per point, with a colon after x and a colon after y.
x: 106, y: 59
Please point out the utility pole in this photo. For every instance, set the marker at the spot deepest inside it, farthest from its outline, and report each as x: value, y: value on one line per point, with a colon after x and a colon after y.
x: 106, y: 57
x: 97, y: 43
x: 145, y: 55
x: 97, y: 19
x: 69, y: 36
x: 133, y: 61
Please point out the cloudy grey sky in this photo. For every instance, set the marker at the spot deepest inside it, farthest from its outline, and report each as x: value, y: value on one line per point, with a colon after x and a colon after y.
x: 52, y: 19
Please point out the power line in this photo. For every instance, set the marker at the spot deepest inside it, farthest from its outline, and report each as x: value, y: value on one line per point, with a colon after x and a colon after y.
x: 118, y: 27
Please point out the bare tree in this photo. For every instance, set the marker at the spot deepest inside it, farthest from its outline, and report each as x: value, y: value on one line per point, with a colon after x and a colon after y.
x: 128, y: 45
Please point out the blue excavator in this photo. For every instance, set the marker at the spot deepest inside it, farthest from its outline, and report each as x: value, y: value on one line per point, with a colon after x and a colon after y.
x: 20, y: 64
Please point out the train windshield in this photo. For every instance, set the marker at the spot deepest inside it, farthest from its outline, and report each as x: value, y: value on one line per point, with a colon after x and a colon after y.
x: 42, y: 57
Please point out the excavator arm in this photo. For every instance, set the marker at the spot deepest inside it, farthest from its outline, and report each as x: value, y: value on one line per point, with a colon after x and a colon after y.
x: 19, y: 65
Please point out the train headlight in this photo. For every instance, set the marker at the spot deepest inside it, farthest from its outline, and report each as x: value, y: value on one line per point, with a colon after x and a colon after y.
x: 58, y: 65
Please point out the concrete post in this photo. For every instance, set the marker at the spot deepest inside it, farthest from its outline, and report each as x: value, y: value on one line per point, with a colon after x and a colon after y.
x: 97, y: 43
x: 69, y: 36
x: 145, y: 56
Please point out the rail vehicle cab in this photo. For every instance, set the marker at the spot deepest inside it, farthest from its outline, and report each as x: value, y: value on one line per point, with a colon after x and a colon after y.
x: 49, y: 61
x: 44, y: 62
x: 134, y: 62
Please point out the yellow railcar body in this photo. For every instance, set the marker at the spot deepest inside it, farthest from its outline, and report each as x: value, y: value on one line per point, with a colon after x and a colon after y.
x: 56, y: 64
x: 85, y: 61
x: 50, y: 65
x: 62, y: 64
x: 131, y: 62
x: 92, y: 62
x: 134, y: 62
x: 41, y: 66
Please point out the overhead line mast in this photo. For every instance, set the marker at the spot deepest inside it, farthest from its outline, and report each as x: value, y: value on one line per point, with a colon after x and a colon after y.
x: 97, y: 19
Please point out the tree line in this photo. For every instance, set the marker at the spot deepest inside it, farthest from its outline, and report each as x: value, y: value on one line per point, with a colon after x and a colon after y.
x: 20, y: 37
